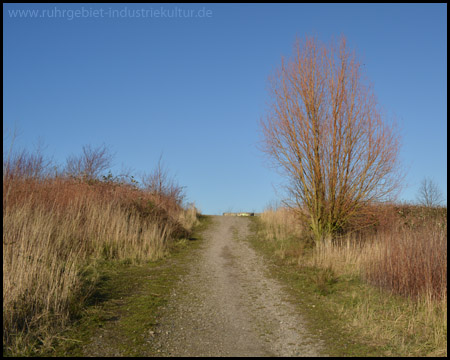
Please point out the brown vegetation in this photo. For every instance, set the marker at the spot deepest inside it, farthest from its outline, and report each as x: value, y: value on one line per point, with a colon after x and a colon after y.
x: 412, y: 256
x: 56, y: 227
x: 401, y: 250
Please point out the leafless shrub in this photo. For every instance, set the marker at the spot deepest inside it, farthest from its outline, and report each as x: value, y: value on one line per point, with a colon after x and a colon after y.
x: 162, y: 185
x: 90, y: 164
x: 412, y: 261
x: 26, y: 165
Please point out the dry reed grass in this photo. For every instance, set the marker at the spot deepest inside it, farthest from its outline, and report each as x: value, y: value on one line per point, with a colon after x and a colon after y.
x: 403, y: 252
x: 54, y: 227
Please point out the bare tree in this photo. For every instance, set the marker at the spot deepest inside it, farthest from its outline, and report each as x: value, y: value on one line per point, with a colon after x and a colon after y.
x: 161, y: 184
x: 26, y: 164
x: 429, y: 194
x: 325, y: 131
x: 91, y: 163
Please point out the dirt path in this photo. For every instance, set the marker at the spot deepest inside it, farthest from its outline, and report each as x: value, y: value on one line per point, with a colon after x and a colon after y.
x: 227, y: 306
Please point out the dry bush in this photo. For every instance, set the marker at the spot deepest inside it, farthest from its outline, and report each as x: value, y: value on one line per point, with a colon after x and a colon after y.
x: 412, y: 260
x: 25, y: 165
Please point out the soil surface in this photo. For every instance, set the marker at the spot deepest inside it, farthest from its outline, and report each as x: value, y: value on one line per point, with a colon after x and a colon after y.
x: 227, y: 305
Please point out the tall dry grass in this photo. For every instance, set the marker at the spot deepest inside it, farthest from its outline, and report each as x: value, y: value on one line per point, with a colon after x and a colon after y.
x: 410, y: 262
x: 281, y: 224
x: 281, y: 227
x: 54, y: 227
x: 403, y: 252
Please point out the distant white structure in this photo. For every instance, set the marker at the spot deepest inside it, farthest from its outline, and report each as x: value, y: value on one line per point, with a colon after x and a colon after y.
x: 239, y: 214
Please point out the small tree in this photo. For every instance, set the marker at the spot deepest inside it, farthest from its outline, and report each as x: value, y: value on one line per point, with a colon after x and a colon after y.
x: 325, y: 131
x: 429, y: 194
x: 90, y: 164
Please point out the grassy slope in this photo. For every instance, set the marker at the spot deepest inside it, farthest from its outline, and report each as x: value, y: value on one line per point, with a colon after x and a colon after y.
x: 125, y: 305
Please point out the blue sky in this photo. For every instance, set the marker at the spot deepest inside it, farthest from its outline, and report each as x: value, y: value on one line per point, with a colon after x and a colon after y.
x: 194, y: 88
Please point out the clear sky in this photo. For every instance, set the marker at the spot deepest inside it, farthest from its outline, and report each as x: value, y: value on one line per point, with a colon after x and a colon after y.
x: 194, y: 87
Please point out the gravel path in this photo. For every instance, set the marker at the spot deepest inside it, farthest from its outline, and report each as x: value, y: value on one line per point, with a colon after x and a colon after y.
x: 227, y: 306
